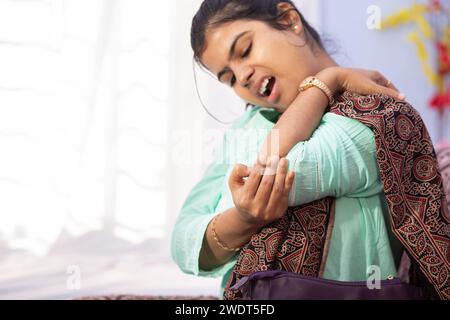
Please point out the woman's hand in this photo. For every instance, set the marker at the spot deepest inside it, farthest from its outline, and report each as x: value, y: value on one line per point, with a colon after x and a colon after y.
x: 263, y: 197
x: 360, y: 81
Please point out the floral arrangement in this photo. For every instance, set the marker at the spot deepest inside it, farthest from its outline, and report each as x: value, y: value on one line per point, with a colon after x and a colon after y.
x: 432, y: 20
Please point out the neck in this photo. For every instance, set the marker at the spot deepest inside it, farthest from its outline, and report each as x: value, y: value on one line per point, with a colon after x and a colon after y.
x: 324, y: 61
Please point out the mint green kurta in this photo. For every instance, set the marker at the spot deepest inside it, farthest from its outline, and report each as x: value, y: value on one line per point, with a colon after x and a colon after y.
x: 339, y: 160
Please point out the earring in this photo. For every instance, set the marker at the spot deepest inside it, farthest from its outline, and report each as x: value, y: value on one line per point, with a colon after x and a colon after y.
x: 295, y: 28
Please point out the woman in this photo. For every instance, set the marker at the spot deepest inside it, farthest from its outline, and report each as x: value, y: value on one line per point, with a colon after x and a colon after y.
x: 245, y: 43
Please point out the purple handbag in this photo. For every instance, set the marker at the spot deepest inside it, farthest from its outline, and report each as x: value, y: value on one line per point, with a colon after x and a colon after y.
x: 284, y: 285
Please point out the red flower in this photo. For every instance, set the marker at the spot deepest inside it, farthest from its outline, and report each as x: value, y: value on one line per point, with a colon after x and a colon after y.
x: 435, y: 5
x: 444, y: 58
x: 440, y: 100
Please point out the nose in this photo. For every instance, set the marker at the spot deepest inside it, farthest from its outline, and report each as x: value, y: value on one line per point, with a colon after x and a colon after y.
x: 243, y: 75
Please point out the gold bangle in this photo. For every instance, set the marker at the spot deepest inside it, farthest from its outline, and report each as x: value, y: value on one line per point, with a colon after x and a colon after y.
x: 220, y: 243
x: 316, y: 82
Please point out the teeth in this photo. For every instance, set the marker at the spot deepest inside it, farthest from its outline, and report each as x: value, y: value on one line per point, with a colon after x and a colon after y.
x: 264, y: 86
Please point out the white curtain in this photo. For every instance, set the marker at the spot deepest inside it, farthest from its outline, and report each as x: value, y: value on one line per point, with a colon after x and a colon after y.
x: 85, y: 99
x: 101, y: 138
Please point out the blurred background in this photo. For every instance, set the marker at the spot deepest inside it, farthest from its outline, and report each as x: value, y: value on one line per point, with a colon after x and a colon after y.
x: 103, y: 133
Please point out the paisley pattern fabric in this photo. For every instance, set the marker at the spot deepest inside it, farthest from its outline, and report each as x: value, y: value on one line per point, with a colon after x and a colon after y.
x: 414, y: 192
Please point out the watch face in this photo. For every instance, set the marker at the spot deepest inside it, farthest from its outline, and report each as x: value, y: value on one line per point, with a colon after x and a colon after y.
x: 307, y: 83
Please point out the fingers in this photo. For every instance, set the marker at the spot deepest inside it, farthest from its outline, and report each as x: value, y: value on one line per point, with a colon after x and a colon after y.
x: 252, y: 183
x: 265, y: 187
x: 288, y: 184
x: 237, y: 176
x: 262, y: 159
x: 389, y: 92
x: 279, y: 184
x: 399, y: 95
x: 383, y: 82
x: 389, y: 84
x: 386, y: 83
x: 282, y: 186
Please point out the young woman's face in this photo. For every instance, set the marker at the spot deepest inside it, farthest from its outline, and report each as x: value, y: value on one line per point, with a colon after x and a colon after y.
x: 264, y: 66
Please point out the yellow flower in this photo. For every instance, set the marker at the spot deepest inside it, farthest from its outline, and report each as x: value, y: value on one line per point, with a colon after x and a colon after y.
x: 407, y: 15
x: 422, y: 53
x: 424, y: 27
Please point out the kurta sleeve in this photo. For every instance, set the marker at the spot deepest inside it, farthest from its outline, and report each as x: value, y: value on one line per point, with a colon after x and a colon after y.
x: 196, y: 213
x: 338, y: 160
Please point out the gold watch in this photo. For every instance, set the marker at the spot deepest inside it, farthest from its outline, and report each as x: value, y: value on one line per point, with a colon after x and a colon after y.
x: 315, y: 82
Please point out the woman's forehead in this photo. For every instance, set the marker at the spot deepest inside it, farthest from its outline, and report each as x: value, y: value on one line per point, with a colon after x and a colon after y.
x: 218, y: 41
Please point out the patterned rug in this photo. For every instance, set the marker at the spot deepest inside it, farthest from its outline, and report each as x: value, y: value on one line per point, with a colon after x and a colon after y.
x: 144, y: 297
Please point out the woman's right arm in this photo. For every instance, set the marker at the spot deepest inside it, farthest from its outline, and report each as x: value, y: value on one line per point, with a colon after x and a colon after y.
x: 232, y: 231
x: 193, y: 247
x: 194, y: 218
x: 257, y: 198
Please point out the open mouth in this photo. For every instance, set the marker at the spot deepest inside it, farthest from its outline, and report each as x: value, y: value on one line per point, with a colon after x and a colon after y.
x: 267, y: 86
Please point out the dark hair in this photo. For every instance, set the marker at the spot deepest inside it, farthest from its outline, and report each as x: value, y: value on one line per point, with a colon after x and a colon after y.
x: 216, y: 12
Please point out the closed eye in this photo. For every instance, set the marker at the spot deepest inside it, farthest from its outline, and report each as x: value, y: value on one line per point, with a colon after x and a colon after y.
x: 244, y: 55
x: 247, y: 52
x: 232, y: 80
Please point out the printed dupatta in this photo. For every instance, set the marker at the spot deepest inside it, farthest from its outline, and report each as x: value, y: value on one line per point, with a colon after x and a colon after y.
x: 299, y: 241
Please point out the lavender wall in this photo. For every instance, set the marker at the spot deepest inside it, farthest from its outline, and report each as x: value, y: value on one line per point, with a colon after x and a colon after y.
x: 344, y: 22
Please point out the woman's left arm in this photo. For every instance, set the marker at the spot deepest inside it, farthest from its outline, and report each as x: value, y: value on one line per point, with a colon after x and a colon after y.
x: 339, y: 160
x: 302, y: 117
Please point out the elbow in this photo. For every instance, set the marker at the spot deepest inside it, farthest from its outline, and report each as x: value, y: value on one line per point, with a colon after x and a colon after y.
x: 177, y: 254
x: 174, y: 252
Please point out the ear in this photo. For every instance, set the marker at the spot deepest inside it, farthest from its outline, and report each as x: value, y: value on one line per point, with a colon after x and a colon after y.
x: 289, y: 17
